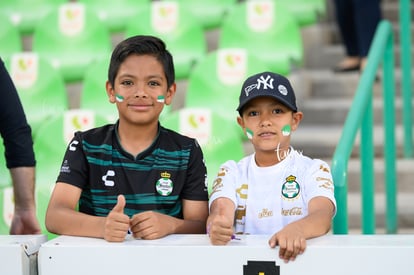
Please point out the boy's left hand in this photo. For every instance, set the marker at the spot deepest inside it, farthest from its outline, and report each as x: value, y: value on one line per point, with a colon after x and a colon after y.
x: 151, y: 225
x: 291, y: 242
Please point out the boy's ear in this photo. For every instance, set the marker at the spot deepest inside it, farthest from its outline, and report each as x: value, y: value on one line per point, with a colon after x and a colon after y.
x: 240, y: 121
x: 110, y: 92
x: 170, y: 93
x: 296, y: 119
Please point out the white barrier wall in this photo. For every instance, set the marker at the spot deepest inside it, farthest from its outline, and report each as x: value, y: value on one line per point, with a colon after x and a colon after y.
x: 193, y: 254
x: 18, y: 254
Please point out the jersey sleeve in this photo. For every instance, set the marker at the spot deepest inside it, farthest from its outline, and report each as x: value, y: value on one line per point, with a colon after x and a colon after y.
x: 196, y: 181
x: 14, y: 129
x: 74, y: 166
x: 321, y: 183
x: 225, y: 183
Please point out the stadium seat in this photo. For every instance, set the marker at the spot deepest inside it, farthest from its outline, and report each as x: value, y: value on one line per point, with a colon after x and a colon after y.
x: 266, y: 29
x: 306, y: 12
x: 93, y: 94
x: 41, y: 88
x: 216, y: 81
x: 210, y: 13
x: 70, y: 38
x: 319, y: 5
x: 115, y: 14
x: 178, y: 28
x: 218, y: 138
x: 10, y: 38
x: 50, y: 145
x: 26, y: 14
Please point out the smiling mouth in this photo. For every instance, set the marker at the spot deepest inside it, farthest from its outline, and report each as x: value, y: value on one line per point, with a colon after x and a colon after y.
x: 139, y: 106
x: 266, y: 134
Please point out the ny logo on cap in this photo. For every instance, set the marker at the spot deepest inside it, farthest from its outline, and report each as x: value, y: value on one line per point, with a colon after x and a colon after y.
x: 266, y: 82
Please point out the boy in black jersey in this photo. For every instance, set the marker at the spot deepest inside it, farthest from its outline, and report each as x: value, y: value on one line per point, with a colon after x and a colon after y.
x: 134, y: 175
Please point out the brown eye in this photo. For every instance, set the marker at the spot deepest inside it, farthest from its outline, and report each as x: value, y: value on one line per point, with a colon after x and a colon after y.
x: 253, y: 113
x: 126, y: 83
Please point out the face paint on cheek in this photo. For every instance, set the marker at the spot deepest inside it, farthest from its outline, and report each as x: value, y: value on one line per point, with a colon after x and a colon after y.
x: 286, y: 130
x: 249, y: 133
x: 161, y: 99
x: 119, y: 98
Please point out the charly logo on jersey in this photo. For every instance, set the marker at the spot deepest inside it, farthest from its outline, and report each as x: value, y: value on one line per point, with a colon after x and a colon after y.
x: 106, y: 180
x: 164, y: 185
x: 290, y: 189
x: 72, y: 145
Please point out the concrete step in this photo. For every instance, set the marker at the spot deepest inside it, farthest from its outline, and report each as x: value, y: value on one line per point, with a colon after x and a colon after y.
x: 326, y: 97
x: 334, y: 111
x: 324, y: 83
x: 321, y: 141
x: 404, y: 170
x: 405, y: 212
x: 391, y: 10
x: 326, y: 56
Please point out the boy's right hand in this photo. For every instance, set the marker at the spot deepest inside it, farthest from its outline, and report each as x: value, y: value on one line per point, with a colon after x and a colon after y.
x: 117, y: 223
x: 219, y: 229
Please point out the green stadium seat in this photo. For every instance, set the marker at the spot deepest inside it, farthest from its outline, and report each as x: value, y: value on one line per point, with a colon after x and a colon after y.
x: 50, y: 145
x: 306, y: 12
x: 70, y: 38
x: 266, y: 29
x: 115, y: 14
x: 178, y: 28
x: 41, y: 88
x: 216, y: 81
x: 218, y: 138
x: 93, y: 94
x: 319, y: 5
x: 10, y: 38
x: 26, y: 14
x: 210, y: 13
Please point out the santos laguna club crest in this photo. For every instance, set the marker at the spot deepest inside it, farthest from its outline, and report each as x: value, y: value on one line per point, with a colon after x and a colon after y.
x: 164, y: 185
x: 290, y: 189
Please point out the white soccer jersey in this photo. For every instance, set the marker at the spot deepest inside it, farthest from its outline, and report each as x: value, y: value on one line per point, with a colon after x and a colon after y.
x: 269, y: 198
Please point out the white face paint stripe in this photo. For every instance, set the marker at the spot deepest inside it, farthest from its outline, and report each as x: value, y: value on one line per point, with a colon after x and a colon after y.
x: 119, y: 98
x: 161, y: 99
x: 249, y: 133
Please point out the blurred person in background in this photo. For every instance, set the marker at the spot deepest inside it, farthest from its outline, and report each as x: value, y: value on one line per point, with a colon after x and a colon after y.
x: 19, y: 155
x: 357, y: 22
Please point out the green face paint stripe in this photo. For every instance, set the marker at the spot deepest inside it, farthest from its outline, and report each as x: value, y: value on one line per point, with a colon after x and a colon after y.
x: 249, y: 133
x: 119, y: 98
x: 286, y: 130
x: 161, y: 99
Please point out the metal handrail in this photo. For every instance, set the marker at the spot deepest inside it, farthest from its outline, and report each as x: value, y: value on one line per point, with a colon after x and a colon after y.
x: 360, y: 116
x: 405, y: 44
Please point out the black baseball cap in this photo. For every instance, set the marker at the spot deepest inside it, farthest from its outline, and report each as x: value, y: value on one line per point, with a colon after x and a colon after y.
x: 268, y: 84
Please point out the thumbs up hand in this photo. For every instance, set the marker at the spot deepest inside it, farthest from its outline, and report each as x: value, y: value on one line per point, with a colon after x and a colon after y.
x: 117, y: 223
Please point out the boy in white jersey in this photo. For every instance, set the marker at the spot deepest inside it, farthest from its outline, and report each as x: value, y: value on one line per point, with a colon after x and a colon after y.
x: 276, y: 190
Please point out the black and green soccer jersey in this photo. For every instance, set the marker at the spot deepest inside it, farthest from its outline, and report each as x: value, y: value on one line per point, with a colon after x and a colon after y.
x: 170, y: 170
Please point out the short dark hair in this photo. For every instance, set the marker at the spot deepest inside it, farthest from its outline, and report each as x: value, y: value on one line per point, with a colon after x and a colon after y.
x: 142, y: 45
